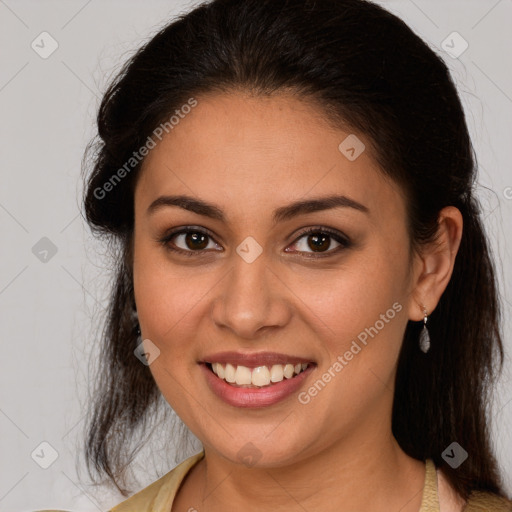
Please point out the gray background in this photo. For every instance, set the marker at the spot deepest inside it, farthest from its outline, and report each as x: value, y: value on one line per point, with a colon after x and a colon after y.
x: 50, y: 304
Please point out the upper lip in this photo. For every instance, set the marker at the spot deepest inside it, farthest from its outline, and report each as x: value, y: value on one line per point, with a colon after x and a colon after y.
x: 255, y: 359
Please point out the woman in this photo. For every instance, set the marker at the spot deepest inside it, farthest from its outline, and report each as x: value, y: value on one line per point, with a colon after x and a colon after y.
x: 303, y: 274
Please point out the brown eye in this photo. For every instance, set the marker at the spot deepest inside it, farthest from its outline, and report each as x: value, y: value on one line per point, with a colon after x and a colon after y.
x: 189, y: 241
x: 319, y: 240
x: 196, y: 241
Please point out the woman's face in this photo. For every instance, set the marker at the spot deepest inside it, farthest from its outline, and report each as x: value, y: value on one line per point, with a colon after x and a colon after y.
x: 248, y: 281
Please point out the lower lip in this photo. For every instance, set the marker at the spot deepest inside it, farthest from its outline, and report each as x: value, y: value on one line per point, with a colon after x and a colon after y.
x: 253, y: 397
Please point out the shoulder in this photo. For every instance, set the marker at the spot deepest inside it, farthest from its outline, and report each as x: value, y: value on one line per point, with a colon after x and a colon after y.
x: 158, y: 496
x: 480, y: 501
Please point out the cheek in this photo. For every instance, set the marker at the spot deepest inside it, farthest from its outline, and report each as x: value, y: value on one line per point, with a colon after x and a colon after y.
x: 170, y: 300
x: 362, y: 301
x: 359, y: 317
x: 357, y: 292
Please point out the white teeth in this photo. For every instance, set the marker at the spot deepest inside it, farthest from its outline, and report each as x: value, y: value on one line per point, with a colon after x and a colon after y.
x: 256, y: 377
x: 288, y: 371
x: 229, y: 372
x: 242, y: 375
x: 276, y: 373
x: 220, y: 370
x: 260, y: 376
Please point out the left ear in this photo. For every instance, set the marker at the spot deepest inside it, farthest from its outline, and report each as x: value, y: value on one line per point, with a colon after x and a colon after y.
x: 435, y: 263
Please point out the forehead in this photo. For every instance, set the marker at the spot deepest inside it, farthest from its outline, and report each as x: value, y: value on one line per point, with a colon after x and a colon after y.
x: 260, y: 152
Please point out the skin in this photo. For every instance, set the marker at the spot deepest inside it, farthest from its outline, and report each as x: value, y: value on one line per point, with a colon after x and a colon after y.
x: 250, y: 155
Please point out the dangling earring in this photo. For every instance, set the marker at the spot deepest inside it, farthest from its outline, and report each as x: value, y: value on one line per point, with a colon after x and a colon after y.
x: 424, y: 335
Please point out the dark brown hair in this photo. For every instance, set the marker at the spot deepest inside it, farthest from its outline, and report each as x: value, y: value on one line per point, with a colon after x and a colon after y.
x: 391, y: 87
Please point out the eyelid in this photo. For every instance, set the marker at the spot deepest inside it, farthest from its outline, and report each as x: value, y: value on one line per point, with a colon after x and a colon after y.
x: 339, y: 237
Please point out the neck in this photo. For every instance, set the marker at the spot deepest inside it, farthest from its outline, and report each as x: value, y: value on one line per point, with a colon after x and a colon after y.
x: 364, y: 472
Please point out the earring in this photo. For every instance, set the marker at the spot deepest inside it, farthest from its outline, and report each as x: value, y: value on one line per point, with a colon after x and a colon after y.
x: 424, y: 335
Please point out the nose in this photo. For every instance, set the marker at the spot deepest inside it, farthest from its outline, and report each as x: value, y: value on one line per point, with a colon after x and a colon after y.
x: 252, y: 301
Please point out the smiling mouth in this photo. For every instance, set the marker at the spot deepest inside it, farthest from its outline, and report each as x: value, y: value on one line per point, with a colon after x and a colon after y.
x: 258, y: 377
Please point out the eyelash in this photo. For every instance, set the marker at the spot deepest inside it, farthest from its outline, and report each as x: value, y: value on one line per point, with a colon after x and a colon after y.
x: 344, y: 241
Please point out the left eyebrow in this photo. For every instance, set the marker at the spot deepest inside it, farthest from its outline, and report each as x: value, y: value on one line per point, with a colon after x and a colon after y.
x: 279, y: 215
x: 315, y: 205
